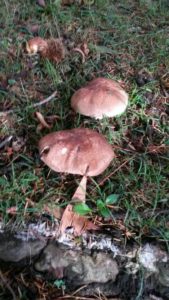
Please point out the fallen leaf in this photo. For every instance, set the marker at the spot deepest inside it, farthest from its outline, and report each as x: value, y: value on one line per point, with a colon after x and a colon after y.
x: 42, y: 121
x: 79, y: 223
x: 55, y: 211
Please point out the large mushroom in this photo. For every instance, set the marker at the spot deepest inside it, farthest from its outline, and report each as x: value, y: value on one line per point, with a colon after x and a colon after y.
x: 100, y: 98
x: 76, y: 151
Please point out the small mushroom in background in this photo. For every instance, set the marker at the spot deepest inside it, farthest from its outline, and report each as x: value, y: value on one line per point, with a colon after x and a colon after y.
x: 51, y: 49
x: 78, y: 151
x: 100, y: 98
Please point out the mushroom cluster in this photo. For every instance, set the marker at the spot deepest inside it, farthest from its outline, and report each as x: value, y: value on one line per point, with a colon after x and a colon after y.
x: 84, y: 151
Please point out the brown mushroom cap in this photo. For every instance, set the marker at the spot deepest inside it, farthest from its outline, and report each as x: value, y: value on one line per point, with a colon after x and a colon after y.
x: 35, y: 45
x: 77, y: 151
x: 100, y: 97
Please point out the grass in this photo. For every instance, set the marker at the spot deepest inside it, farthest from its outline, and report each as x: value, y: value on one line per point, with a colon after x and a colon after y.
x: 123, y: 37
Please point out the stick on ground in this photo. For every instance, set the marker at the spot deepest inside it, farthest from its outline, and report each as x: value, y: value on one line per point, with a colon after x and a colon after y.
x: 36, y: 104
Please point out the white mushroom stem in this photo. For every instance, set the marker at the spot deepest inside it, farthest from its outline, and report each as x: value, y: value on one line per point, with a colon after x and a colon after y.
x: 80, y: 193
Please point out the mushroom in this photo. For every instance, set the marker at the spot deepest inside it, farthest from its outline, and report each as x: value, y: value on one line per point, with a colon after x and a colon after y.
x: 79, y: 151
x: 100, y: 97
x: 51, y: 49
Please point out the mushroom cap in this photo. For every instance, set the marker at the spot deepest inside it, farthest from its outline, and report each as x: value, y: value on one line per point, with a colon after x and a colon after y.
x: 35, y: 45
x: 100, y: 97
x: 76, y: 151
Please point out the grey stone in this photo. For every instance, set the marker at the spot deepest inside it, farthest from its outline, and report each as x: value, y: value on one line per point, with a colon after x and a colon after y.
x: 163, y: 275
x: 13, y: 249
x: 149, y: 256
x: 77, y: 266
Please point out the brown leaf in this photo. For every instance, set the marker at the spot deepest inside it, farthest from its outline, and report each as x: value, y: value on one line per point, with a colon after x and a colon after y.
x: 55, y: 211
x: 42, y: 121
x: 79, y: 223
x: 41, y: 3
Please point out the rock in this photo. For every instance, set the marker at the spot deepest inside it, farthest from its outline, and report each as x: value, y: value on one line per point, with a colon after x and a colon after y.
x: 76, y: 266
x: 150, y: 256
x: 13, y: 249
x: 163, y: 276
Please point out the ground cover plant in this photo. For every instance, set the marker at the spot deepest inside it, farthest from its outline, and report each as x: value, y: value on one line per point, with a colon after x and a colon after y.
x: 126, y: 41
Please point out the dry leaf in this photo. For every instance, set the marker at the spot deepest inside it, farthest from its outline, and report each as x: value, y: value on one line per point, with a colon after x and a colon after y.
x: 79, y: 223
x: 42, y: 121
x: 55, y: 211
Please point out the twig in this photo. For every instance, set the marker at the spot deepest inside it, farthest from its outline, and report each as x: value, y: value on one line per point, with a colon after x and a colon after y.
x: 7, y: 286
x: 112, y: 173
x: 6, y: 141
x: 79, y: 289
x: 44, y: 101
